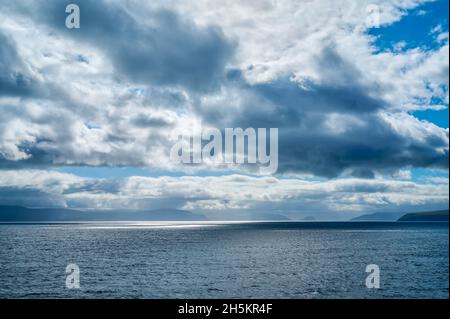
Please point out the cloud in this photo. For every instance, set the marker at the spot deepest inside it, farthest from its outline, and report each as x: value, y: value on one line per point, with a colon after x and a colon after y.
x: 331, y: 129
x: 215, y: 194
x: 13, y: 82
x: 115, y: 93
x: 162, y: 49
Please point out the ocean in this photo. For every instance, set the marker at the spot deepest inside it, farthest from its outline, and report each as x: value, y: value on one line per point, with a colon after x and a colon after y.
x: 225, y: 260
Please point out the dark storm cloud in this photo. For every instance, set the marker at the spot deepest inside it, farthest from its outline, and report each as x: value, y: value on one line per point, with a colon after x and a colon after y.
x: 358, y: 140
x: 165, y: 49
x: 375, y: 146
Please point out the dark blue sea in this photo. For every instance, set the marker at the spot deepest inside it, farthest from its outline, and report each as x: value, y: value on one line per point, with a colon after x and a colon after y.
x: 225, y: 260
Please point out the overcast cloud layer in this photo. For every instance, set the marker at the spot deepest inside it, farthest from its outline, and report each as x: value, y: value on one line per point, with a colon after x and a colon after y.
x: 117, y: 92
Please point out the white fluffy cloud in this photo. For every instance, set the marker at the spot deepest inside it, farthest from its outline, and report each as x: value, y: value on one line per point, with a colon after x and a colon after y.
x: 211, y: 195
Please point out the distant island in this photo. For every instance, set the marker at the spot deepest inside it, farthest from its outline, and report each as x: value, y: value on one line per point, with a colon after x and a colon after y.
x: 436, y: 216
x: 440, y: 215
x: 11, y: 214
x: 379, y: 217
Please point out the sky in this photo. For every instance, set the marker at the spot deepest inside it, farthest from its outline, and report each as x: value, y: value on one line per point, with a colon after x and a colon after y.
x: 357, y: 89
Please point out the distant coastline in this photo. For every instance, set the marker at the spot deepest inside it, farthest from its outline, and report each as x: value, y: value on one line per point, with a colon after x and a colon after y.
x: 19, y: 214
x: 433, y: 216
x: 11, y: 214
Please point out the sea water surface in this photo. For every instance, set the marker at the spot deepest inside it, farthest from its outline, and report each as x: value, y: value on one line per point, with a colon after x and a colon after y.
x: 225, y: 260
